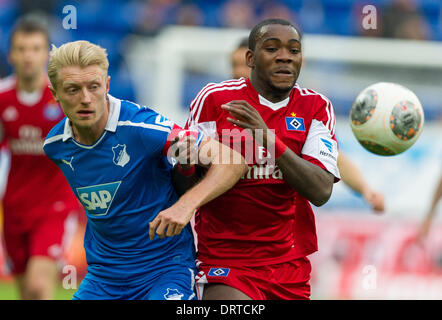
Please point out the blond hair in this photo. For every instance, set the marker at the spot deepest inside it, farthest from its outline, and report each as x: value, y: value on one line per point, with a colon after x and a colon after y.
x: 78, y: 53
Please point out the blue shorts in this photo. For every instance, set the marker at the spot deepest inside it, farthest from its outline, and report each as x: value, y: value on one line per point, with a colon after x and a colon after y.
x: 173, y: 283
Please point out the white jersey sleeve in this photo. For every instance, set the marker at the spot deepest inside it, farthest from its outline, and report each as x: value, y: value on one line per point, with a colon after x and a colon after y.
x: 321, y: 143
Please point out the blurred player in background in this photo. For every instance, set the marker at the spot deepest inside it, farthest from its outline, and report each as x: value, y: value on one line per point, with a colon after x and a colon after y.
x: 40, y: 210
x: 431, y: 214
x: 352, y: 177
x: 350, y: 173
x: 247, y: 247
x: 114, y: 155
x: 240, y: 69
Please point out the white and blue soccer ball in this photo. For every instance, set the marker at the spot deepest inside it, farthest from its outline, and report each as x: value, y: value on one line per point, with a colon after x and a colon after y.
x: 386, y: 118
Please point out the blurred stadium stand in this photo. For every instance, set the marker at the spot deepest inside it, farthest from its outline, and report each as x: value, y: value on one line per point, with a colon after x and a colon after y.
x: 109, y: 22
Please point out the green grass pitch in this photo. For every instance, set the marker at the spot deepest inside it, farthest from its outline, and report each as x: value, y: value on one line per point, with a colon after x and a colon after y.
x: 9, y: 291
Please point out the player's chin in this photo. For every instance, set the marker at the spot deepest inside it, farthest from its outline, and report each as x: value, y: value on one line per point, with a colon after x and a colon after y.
x: 283, y: 86
x: 82, y: 122
x: 28, y: 74
x: 283, y: 81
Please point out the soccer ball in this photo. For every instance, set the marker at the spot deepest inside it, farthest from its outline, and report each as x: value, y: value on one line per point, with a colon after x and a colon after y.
x: 386, y: 118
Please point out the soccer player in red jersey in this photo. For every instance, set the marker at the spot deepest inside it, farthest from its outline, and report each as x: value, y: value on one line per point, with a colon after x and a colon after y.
x: 254, y: 240
x: 39, y: 207
x: 351, y: 175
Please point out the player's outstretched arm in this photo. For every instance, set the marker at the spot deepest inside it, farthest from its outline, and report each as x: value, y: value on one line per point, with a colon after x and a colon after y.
x: 429, y: 217
x: 186, y: 173
x: 226, y: 167
x: 352, y: 177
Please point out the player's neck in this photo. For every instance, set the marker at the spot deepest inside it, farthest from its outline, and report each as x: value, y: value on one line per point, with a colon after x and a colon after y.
x: 31, y: 84
x: 90, y: 135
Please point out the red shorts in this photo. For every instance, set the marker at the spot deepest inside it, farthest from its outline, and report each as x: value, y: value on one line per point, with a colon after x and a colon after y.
x: 283, y: 281
x: 48, y: 237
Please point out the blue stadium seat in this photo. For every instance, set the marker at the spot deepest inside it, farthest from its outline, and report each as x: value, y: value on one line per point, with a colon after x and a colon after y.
x: 8, y: 13
x: 431, y: 10
x: 111, y: 41
x: 339, y: 21
x: 121, y: 85
x: 88, y: 12
x: 4, y: 38
x: 194, y: 83
x: 294, y: 5
x: 96, y: 15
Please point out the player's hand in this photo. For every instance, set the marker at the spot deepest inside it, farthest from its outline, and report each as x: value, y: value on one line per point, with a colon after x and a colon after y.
x: 185, y: 151
x: 247, y: 117
x: 169, y: 222
x: 375, y: 199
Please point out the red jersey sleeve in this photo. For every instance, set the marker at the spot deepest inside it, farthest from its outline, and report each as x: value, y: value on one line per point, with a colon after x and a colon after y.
x: 202, y: 115
x: 177, y: 131
x: 321, y: 146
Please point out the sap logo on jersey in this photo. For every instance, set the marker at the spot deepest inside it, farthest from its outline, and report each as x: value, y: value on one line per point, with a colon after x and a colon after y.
x: 98, y: 199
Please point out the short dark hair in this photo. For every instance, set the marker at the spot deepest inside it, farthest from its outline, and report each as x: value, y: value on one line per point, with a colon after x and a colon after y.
x: 29, y: 24
x: 256, y: 31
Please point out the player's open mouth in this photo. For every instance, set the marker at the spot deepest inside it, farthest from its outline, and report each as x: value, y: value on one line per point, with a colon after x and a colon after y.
x: 84, y: 113
x: 283, y: 73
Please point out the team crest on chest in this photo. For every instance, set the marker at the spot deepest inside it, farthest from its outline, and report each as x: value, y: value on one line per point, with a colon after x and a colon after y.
x: 294, y: 123
x: 121, y: 157
x: 52, y: 111
x: 10, y: 114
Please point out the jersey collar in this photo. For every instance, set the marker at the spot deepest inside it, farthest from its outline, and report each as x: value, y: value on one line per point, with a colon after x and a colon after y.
x: 263, y: 101
x: 271, y: 105
x: 114, y: 113
x: 112, y: 120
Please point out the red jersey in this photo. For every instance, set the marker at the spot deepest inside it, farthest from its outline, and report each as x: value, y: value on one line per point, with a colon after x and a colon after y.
x: 35, y: 186
x: 262, y: 220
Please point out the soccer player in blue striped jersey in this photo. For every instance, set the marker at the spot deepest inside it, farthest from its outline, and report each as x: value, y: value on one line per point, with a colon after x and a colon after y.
x: 113, y: 153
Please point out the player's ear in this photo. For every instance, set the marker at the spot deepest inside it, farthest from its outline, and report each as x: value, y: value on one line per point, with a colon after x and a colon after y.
x: 108, y: 84
x: 250, y: 59
x: 54, y: 93
x: 10, y: 58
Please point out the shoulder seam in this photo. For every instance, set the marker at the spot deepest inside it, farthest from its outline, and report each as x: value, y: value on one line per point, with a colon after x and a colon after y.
x: 310, y: 92
x: 197, y: 104
x: 7, y: 84
x: 144, y: 125
x: 331, y: 121
x: 53, y: 139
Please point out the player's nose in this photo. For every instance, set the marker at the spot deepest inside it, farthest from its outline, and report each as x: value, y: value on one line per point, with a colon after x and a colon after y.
x: 85, y: 96
x: 28, y: 55
x: 284, y: 55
